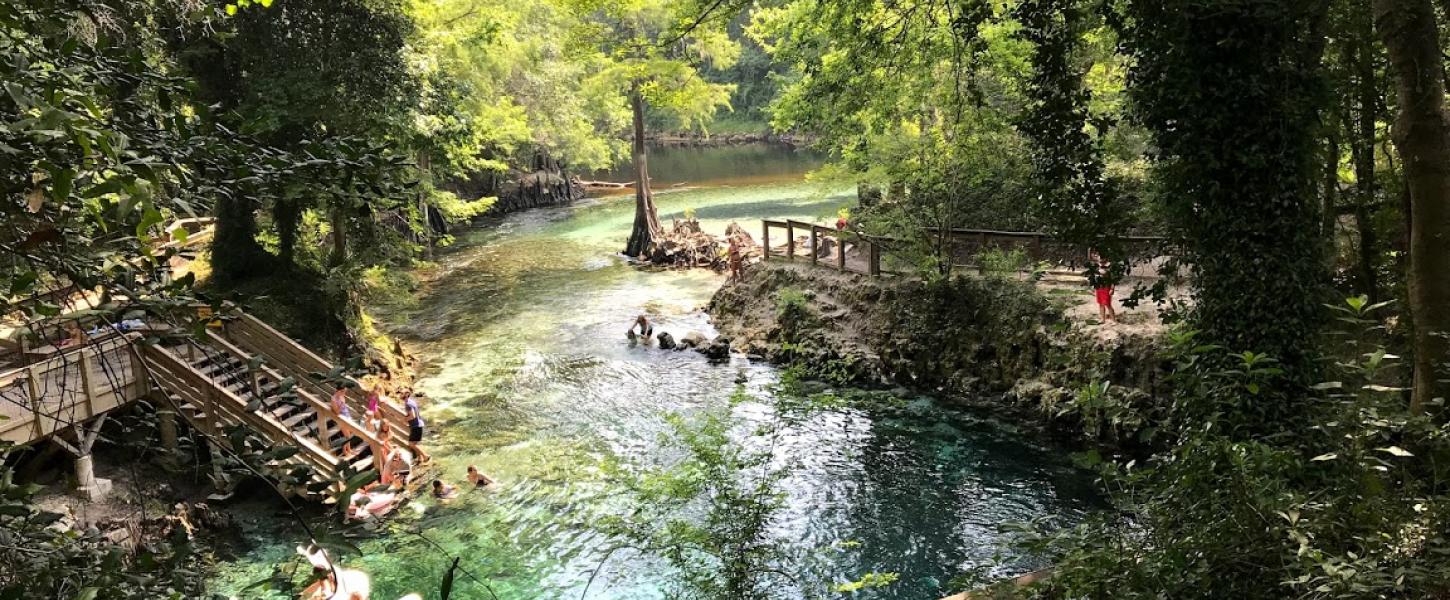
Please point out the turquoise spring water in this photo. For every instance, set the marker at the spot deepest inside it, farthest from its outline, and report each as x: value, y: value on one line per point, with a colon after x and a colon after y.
x: 521, y: 327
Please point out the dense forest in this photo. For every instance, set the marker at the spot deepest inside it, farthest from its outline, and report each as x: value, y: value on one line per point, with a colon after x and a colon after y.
x: 1295, y: 154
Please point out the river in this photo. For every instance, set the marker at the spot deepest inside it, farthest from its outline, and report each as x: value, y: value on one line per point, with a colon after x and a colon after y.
x: 521, y: 327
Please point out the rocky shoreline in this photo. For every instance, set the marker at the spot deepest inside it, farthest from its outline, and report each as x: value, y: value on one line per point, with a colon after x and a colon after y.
x: 995, y: 344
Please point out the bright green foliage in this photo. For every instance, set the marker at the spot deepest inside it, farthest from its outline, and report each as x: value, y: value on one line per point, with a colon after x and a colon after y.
x: 502, y: 80
x: 874, y: 79
x: 651, y: 50
x: 1077, y: 200
x: 935, y: 103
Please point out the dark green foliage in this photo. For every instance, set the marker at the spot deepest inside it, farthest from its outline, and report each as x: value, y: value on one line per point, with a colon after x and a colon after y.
x: 94, y: 154
x: 305, y: 68
x: 39, y: 560
x: 1351, y: 506
x: 1232, y: 93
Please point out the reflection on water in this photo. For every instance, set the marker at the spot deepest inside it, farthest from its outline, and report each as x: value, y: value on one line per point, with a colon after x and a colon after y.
x: 528, y: 376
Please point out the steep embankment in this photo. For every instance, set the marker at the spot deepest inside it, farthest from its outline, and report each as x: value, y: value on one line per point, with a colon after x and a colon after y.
x: 992, y: 342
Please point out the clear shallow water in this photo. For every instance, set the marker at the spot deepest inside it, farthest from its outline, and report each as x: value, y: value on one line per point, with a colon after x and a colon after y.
x: 529, y: 376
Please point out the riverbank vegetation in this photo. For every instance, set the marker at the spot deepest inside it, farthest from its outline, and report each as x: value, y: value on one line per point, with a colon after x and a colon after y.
x: 1292, y: 154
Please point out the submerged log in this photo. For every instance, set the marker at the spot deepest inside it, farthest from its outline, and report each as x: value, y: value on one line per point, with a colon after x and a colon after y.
x: 603, y: 185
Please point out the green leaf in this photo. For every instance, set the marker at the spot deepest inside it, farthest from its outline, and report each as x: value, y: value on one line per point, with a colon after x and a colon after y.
x: 1396, y: 450
x: 149, y: 218
x: 1324, y: 457
x: 88, y: 593
x: 22, y: 283
x: 61, y: 183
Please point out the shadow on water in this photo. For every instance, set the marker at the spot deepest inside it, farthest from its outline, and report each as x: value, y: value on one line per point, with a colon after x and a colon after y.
x: 528, y: 376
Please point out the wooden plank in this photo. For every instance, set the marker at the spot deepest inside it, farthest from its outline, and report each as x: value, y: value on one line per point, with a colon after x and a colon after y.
x: 318, y: 406
x: 295, y: 360
x: 227, y: 404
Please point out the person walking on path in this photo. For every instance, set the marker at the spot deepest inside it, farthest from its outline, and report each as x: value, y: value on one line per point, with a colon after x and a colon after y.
x: 1102, y: 284
x: 736, y: 258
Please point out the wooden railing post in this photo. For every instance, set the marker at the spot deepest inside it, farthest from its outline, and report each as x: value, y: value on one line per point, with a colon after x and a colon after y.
x: 86, y: 390
x: 815, y: 245
x: 789, y: 240
x: 875, y: 259
x: 256, y: 383
x: 764, y: 239
x: 981, y: 248
x: 840, y: 251
x: 34, y: 387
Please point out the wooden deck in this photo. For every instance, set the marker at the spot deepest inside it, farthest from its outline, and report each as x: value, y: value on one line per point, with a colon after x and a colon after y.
x: 234, y: 375
x: 71, y: 387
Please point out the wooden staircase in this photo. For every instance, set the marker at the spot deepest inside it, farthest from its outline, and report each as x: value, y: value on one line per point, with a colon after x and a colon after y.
x: 216, y: 386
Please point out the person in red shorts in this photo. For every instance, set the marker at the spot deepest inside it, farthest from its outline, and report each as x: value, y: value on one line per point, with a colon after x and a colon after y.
x: 1102, y: 288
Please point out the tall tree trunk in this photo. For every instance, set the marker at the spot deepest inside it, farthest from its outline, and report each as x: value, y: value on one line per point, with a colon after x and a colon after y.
x: 646, y: 219
x: 1363, y: 144
x: 234, y: 250
x: 1422, y: 136
x: 1330, y: 217
x: 339, y: 236
x: 287, y: 217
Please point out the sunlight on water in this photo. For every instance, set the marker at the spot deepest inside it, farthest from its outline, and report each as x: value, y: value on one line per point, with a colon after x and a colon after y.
x: 529, y: 376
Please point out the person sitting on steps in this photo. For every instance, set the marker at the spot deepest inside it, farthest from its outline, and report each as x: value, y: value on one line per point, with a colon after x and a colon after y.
x: 396, y: 462
x: 646, y: 330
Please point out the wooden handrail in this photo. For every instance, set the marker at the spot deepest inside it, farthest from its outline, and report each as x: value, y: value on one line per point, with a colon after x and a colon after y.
x: 294, y: 358
x: 322, y: 409
x: 228, y: 403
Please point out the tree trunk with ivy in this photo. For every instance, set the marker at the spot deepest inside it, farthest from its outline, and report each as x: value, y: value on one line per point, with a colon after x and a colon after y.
x: 646, y: 218
x: 235, y: 252
x: 1232, y: 91
x: 1422, y: 136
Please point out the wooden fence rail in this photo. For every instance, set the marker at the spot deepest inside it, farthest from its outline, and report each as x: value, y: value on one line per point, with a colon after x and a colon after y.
x: 964, y: 247
x: 299, y: 363
x: 842, y: 245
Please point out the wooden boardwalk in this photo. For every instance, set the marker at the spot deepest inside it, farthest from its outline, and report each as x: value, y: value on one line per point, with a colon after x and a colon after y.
x: 233, y: 376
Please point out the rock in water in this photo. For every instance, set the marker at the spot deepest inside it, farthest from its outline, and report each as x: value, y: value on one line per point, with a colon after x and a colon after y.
x: 667, y: 342
x: 717, y: 350
x: 693, y: 339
